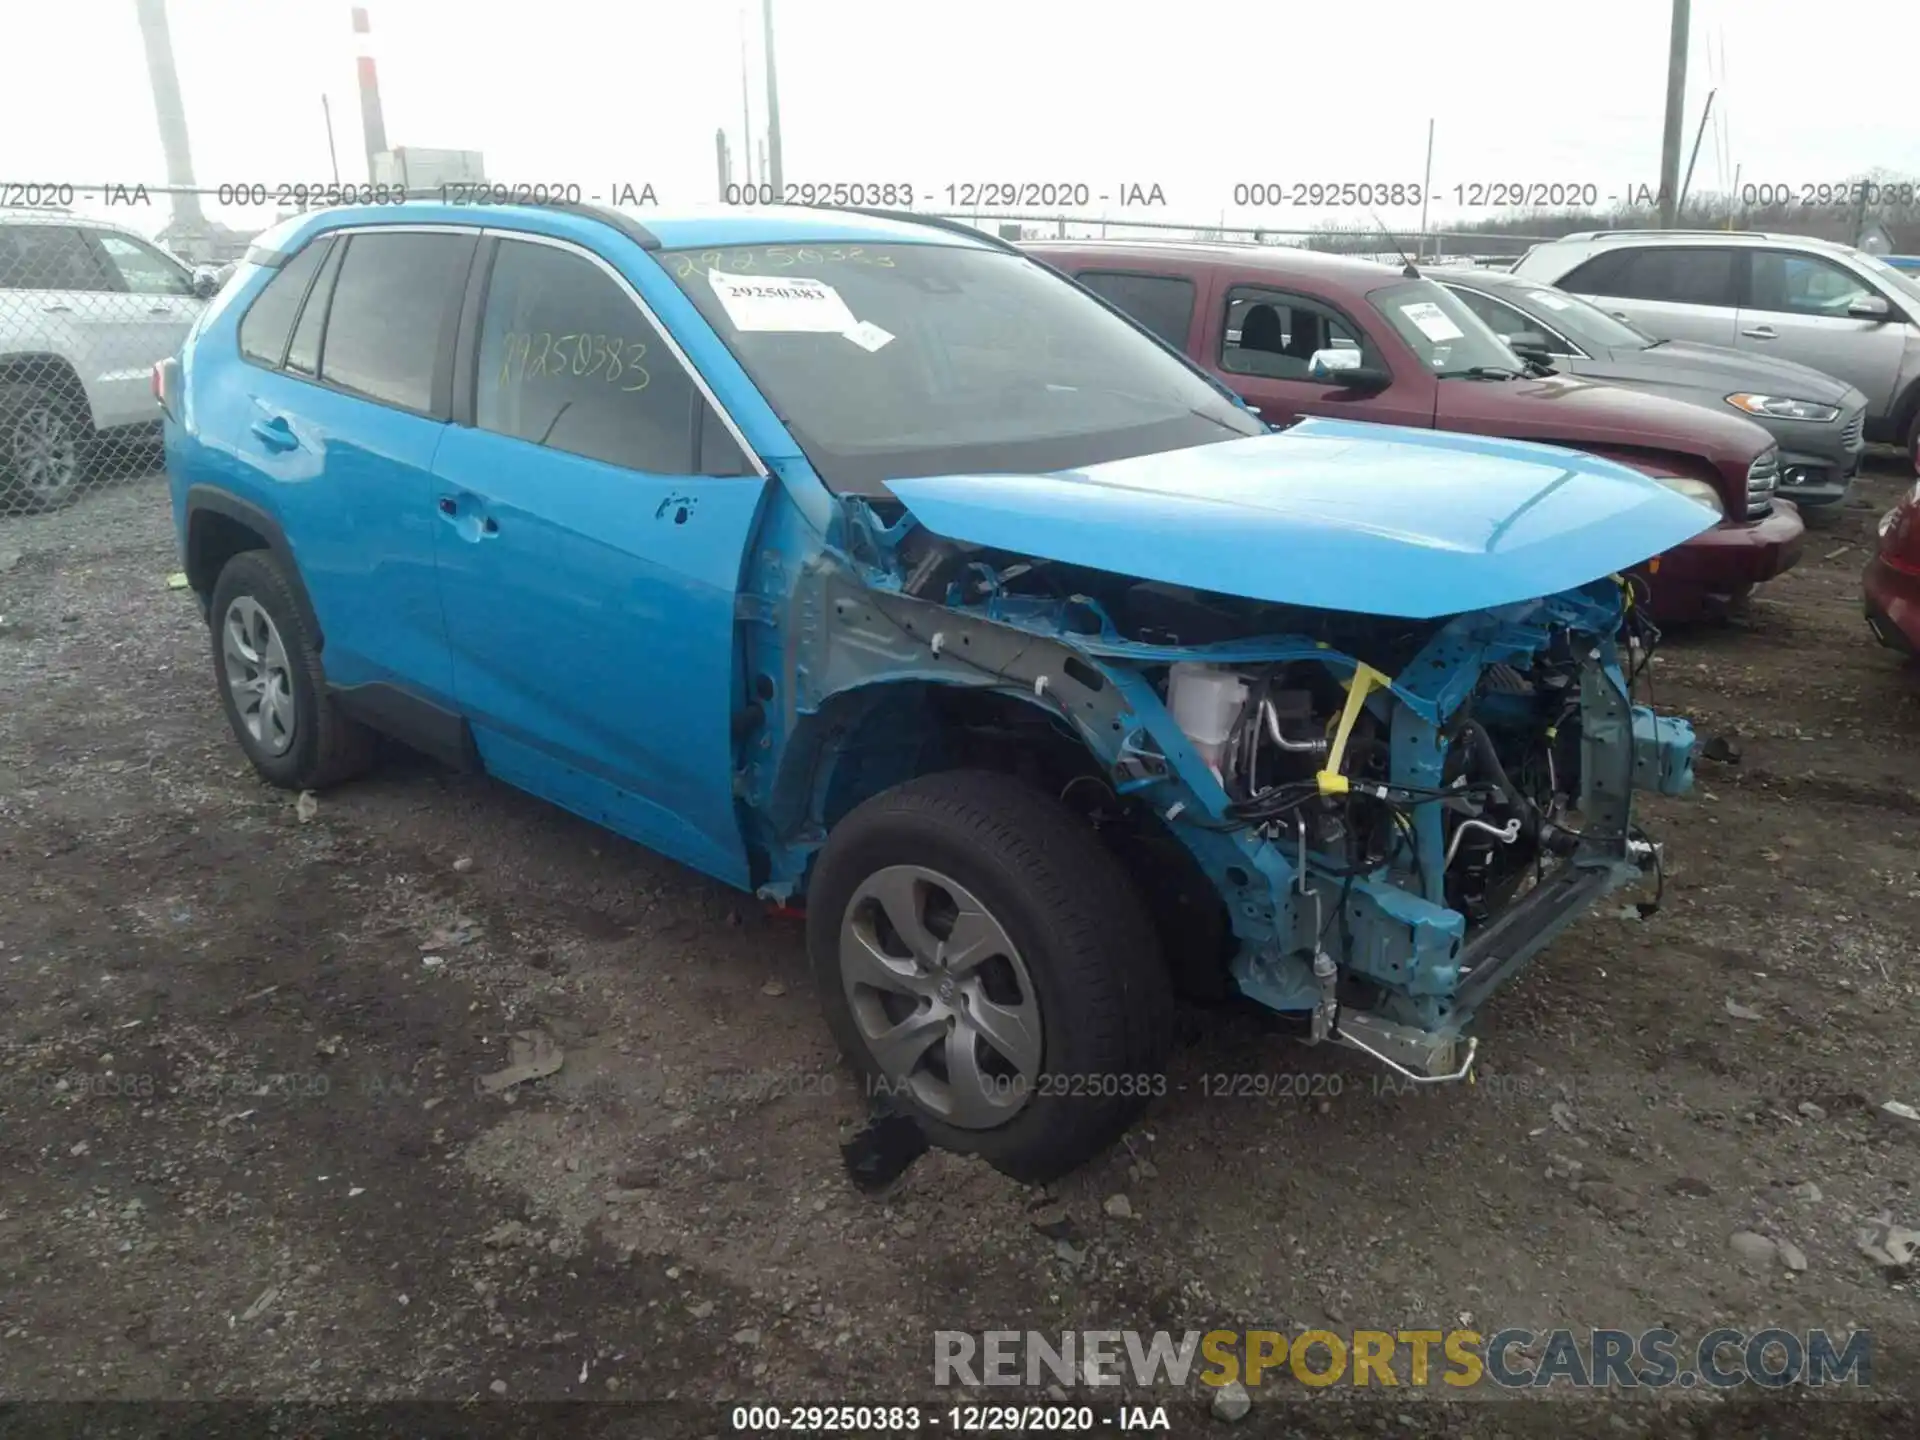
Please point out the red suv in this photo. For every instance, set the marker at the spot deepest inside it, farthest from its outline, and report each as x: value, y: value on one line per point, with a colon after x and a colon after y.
x: 1295, y: 333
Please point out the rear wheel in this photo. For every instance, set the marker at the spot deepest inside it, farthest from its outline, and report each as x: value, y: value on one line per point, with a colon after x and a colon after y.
x: 271, y: 683
x: 983, y: 961
x: 45, y: 437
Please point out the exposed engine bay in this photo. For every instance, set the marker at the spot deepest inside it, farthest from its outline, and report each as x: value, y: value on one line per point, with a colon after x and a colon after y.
x: 1394, y: 814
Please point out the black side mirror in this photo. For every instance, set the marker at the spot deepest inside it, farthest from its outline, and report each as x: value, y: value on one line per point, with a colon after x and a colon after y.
x: 206, y: 283
x: 1360, y: 377
x: 1531, y: 345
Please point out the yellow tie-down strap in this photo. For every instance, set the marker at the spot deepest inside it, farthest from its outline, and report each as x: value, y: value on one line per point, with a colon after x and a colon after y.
x: 1365, y: 680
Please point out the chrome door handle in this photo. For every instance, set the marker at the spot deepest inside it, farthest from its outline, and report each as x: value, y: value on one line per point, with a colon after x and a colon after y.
x: 1761, y: 332
x: 57, y: 309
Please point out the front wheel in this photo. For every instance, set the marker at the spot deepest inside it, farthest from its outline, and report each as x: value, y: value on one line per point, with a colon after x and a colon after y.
x: 983, y: 961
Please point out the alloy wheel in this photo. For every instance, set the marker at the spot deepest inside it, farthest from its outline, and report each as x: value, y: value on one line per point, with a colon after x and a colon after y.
x: 258, y: 675
x: 940, y: 996
x: 45, y: 451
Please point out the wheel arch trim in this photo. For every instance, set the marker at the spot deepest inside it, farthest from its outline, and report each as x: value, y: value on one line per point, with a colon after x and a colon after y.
x: 211, y: 500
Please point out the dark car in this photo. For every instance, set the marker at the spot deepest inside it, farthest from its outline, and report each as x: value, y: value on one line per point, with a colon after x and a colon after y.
x: 1819, y: 422
x: 1296, y: 333
x: 1892, y: 581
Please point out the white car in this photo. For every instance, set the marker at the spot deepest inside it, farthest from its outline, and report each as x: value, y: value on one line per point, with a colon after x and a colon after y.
x: 1816, y: 302
x: 86, y: 311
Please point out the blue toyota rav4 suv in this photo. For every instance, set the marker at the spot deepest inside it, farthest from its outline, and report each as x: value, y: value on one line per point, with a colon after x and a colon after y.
x: 860, y: 561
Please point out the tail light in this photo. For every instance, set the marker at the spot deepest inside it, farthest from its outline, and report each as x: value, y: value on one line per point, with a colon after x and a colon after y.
x: 166, y: 385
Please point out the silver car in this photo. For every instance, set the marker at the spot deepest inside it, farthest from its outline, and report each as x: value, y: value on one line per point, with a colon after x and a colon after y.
x: 1823, y: 304
x: 1818, y: 420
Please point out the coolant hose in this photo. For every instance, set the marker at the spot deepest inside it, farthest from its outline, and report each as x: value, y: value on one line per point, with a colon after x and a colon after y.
x: 1489, y: 757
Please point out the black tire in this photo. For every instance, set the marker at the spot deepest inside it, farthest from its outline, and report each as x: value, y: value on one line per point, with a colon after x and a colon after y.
x: 1086, y: 939
x: 327, y: 747
x: 31, y: 414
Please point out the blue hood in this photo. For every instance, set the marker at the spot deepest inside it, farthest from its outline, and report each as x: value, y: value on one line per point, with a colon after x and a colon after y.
x: 1335, y: 514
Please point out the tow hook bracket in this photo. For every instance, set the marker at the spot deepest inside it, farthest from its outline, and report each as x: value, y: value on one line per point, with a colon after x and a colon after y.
x: 1417, y: 1055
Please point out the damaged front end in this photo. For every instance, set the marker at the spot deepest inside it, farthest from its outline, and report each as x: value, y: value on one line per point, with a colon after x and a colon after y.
x: 1393, y: 815
x: 1368, y: 820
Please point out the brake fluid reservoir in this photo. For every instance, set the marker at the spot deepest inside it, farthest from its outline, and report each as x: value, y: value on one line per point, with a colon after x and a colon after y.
x: 1204, y: 701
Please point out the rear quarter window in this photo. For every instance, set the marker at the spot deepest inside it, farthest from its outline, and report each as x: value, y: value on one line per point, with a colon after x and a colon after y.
x: 269, y: 320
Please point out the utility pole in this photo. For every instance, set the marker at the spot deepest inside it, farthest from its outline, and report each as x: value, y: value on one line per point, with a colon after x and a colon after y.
x: 720, y: 154
x: 746, y: 106
x: 1676, y: 114
x: 773, y: 173
x: 1426, y: 189
x: 333, y: 155
x: 1687, y: 184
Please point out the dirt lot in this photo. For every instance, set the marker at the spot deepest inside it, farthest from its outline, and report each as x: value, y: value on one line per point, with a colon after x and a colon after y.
x: 243, y: 1153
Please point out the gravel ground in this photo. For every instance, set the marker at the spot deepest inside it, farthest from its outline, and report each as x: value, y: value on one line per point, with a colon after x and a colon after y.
x: 243, y: 1153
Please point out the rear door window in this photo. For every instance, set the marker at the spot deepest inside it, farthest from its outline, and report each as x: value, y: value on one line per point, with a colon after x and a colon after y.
x: 395, y: 302
x: 49, y: 257
x: 1162, y: 303
x: 1681, y: 275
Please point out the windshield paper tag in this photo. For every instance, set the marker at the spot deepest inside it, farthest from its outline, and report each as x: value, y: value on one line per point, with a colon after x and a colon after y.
x: 789, y: 302
x: 869, y: 336
x: 1550, y: 300
x: 1432, y: 320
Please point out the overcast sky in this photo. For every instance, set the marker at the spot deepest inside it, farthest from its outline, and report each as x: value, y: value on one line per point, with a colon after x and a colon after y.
x: 1194, y: 97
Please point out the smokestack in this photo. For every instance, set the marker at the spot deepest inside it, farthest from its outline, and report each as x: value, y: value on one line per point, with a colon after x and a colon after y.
x: 372, y: 122
x: 169, y: 112
x: 726, y: 167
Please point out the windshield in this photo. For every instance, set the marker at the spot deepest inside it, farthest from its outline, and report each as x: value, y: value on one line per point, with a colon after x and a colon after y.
x: 1451, y: 341
x: 892, y: 361
x: 1582, y: 322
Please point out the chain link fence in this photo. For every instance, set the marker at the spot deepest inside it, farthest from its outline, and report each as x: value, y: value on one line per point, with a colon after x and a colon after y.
x: 87, y: 308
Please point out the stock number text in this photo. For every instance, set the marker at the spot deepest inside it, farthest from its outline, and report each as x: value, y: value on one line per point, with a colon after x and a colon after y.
x: 833, y: 192
x: 1258, y: 194
x: 1838, y: 195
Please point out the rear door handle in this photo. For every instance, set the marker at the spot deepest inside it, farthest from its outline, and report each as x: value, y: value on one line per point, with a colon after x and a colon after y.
x: 55, y: 308
x: 1761, y: 332
x: 161, y: 310
x: 275, y: 433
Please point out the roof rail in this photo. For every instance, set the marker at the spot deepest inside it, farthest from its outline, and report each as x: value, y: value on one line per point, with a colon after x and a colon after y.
x: 937, y: 222
x: 1674, y: 230
x: 606, y: 214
